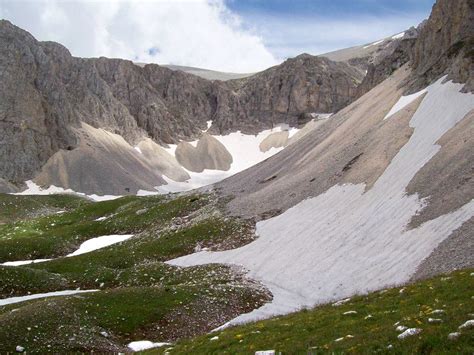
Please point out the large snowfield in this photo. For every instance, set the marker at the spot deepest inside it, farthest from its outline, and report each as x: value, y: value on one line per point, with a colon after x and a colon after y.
x: 347, y: 240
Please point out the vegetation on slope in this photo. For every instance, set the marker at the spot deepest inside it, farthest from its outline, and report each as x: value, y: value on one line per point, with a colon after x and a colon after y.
x: 139, y: 297
x: 364, y: 324
x: 14, y: 207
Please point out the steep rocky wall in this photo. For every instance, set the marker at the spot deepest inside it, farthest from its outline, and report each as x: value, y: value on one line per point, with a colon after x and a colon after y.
x: 45, y: 93
x: 446, y: 44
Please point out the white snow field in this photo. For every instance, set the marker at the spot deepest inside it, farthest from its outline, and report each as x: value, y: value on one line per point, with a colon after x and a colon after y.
x: 12, y: 300
x: 245, y: 151
x: 347, y: 241
x: 86, y: 247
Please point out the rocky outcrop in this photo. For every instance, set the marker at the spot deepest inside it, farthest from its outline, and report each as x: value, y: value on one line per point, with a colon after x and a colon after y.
x: 274, y: 140
x: 209, y: 153
x: 446, y: 44
x: 46, y: 94
x: 283, y: 93
x: 392, y: 57
x: 105, y: 164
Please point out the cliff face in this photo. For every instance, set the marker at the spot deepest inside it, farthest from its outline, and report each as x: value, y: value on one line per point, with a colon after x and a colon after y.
x: 45, y: 92
x: 446, y: 44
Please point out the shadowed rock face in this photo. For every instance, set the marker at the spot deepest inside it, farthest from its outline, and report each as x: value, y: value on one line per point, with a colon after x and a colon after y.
x: 46, y: 93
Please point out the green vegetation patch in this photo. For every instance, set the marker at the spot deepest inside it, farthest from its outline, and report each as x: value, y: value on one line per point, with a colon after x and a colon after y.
x: 15, y: 207
x: 447, y: 300
x: 139, y: 296
x: 56, y: 235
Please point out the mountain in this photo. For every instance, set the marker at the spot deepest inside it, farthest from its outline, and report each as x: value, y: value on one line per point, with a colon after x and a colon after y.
x: 205, y: 73
x: 380, y: 193
x: 47, y: 95
x: 357, y: 208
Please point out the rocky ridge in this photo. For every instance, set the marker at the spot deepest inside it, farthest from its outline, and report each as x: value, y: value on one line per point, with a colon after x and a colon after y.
x: 46, y: 93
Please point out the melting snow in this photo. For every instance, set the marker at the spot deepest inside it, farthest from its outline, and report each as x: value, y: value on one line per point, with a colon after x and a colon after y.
x: 12, y: 300
x: 403, y: 102
x: 359, y: 237
x: 100, y: 242
x: 373, y: 44
x: 398, y: 36
x: 86, y: 247
x: 24, y: 262
x: 144, y: 345
x: 34, y: 189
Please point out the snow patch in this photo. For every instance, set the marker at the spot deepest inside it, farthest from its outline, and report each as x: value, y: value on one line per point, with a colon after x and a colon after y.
x: 34, y: 189
x: 100, y: 242
x: 144, y: 345
x: 373, y: 44
x: 403, y: 102
x: 12, y: 300
x: 398, y: 36
x: 24, y: 262
x: 86, y: 247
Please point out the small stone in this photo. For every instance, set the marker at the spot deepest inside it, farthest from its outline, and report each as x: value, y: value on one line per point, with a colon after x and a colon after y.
x: 409, y: 332
x: 214, y: 338
x: 341, y: 302
x: 401, y: 328
x: 349, y: 313
x: 370, y: 316
x: 265, y: 352
x: 19, y: 349
x: 389, y: 346
x: 104, y: 334
x: 467, y: 325
x: 454, y: 336
x: 438, y: 311
x: 435, y: 320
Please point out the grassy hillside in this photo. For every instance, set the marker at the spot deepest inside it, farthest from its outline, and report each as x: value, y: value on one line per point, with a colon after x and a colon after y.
x: 139, y: 296
x: 14, y: 207
x: 448, y: 300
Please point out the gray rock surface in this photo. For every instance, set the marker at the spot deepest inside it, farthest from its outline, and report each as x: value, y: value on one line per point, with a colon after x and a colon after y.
x: 454, y: 253
x: 209, y: 153
x: 274, y: 140
x: 46, y: 93
x: 105, y: 164
x: 6, y: 187
x: 445, y: 44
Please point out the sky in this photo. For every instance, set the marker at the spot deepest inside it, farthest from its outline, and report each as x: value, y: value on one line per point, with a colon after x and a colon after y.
x: 228, y: 35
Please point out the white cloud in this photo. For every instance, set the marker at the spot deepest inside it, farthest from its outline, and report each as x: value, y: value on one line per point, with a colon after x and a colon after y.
x: 194, y: 32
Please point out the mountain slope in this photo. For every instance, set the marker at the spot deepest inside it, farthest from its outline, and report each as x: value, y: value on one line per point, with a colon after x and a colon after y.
x: 347, y: 196
x: 47, y: 94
